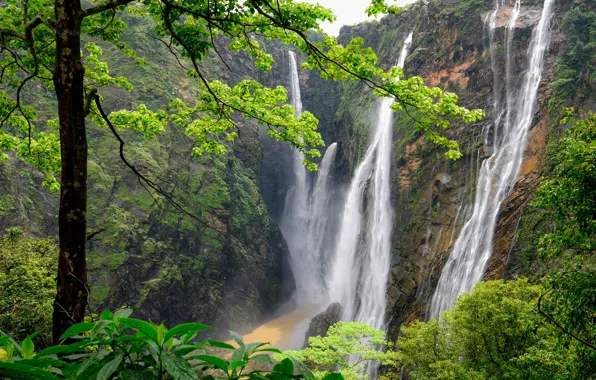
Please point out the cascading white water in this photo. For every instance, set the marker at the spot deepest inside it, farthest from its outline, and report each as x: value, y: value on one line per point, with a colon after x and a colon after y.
x: 466, y: 264
x: 305, y: 218
x: 358, y: 278
x: 317, y: 230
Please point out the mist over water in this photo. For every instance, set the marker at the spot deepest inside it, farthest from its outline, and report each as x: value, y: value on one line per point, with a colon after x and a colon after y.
x: 513, y: 119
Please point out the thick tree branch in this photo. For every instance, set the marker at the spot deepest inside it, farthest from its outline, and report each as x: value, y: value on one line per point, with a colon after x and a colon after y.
x: 112, y: 5
x: 92, y: 234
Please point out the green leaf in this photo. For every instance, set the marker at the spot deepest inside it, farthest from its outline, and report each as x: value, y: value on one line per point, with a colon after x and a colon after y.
x: 123, y: 313
x: 185, y: 328
x: 308, y: 375
x: 106, y: 315
x: 146, y: 328
x: 134, y: 375
x: 100, y: 326
x: 27, y: 348
x: 185, y: 349
x: 111, y: 367
x: 237, y: 364
x: 238, y: 354
x: 286, y: 366
x: 62, y: 349
x: 215, y: 343
x: 179, y: 368
x: 263, y: 359
x: 36, y: 362
x: 253, y: 346
x: 12, y: 370
x: 217, y: 362
x: 77, y: 329
x: 333, y: 376
x: 274, y: 350
x: 237, y: 338
x: 161, y: 330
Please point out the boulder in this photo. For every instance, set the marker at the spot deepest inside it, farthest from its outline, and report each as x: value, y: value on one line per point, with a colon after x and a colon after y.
x: 321, y: 322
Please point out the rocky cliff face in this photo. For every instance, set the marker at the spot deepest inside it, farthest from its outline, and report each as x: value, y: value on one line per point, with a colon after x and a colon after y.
x: 430, y: 194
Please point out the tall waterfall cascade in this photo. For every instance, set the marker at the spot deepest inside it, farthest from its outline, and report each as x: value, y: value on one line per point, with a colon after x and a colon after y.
x: 305, y: 218
x: 512, y: 121
x: 360, y: 266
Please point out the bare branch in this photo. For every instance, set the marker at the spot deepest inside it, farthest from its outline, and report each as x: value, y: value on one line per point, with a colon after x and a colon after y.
x: 92, y: 234
x: 156, y: 187
x: 559, y: 325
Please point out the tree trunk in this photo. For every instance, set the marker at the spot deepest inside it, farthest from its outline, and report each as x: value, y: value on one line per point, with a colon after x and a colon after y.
x: 71, y: 298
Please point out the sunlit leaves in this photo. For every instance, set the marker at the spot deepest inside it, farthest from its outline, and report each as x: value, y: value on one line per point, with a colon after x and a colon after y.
x: 343, y: 349
x: 97, y: 73
x: 494, y: 332
x: 212, y: 122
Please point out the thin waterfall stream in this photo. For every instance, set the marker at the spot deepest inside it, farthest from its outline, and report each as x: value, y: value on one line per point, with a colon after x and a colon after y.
x: 306, y: 213
x: 473, y: 247
x: 359, y: 271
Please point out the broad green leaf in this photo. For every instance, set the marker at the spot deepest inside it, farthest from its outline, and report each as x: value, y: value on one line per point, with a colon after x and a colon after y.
x: 237, y: 364
x: 77, y: 329
x: 179, y: 369
x: 263, y: 358
x: 237, y: 338
x: 27, y: 348
x: 134, y: 375
x: 110, y: 367
x: 274, y: 350
x: 106, y: 315
x: 286, y: 366
x: 161, y: 330
x: 100, y: 326
x: 123, y: 313
x: 238, y: 354
x: 15, y: 370
x: 215, y: 343
x: 217, y: 362
x: 65, y: 349
x: 308, y: 375
x: 250, y: 347
x: 36, y: 362
x: 185, y: 328
x: 146, y: 328
x: 185, y: 349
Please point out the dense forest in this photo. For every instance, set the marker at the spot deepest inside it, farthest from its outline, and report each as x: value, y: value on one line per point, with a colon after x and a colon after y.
x: 209, y: 189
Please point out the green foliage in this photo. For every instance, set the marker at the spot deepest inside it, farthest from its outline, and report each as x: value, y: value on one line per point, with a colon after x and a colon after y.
x: 330, y: 354
x: 378, y: 7
x: 27, y: 285
x: 116, y: 346
x: 211, y: 118
x: 576, y: 67
x: 494, y: 332
x: 568, y: 194
x: 566, y: 199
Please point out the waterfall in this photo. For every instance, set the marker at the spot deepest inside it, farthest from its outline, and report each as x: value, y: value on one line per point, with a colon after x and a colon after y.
x: 305, y: 218
x: 473, y: 247
x: 360, y: 267
x: 317, y: 224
